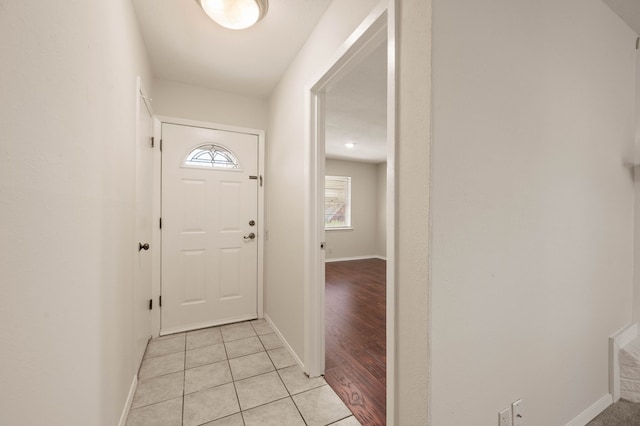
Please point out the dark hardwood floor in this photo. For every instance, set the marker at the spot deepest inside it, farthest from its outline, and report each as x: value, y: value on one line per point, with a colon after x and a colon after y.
x: 355, y: 308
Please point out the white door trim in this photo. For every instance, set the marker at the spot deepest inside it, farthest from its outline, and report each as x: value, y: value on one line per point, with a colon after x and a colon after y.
x: 375, y: 29
x: 157, y: 191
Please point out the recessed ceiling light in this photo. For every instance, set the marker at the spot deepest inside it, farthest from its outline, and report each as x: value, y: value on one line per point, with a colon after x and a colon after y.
x: 235, y: 14
x: 350, y: 145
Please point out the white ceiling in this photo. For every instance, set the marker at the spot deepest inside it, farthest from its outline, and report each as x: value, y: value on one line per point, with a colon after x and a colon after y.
x: 628, y: 10
x: 185, y: 45
x: 356, y: 111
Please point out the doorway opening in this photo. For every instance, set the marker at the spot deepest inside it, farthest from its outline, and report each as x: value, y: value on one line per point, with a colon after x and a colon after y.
x: 355, y: 236
x: 373, y: 39
x: 210, y: 206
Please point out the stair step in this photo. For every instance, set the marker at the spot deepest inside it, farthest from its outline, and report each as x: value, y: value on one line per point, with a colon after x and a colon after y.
x: 629, y: 358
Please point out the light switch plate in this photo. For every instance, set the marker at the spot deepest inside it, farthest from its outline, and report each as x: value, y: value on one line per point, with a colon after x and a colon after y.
x: 518, y: 413
x: 504, y: 417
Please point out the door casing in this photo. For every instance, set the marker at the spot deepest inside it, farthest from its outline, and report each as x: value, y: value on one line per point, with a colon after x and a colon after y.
x: 378, y: 27
x: 157, y: 191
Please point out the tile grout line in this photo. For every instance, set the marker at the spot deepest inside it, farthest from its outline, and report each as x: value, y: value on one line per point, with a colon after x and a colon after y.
x: 281, y: 380
x: 144, y: 358
x: 266, y: 403
x: 157, y: 402
x: 233, y: 380
x: 291, y: 397
x: 184, y: 377
x: 277, y: 374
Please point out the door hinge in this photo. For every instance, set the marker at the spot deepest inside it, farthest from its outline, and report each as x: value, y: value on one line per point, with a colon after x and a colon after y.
x: 160, y: 221
x: 160, y: 144
x: 150, y: 304
x: 261, y: 181
x: 153, y: 142
x: 160, y: 301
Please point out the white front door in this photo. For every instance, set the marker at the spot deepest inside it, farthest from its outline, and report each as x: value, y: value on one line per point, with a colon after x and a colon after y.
x: 209, y: 227
x: 144, y: 185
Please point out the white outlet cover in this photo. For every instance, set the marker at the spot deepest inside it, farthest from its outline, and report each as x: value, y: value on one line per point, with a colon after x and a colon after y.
x: 518, y: 413
x: 504, y: 417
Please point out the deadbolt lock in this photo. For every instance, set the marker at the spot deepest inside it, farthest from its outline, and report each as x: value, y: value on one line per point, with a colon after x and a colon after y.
x: 252, y: 223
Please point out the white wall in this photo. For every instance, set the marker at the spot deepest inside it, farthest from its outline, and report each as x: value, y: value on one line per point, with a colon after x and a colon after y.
x: 361, y: 240
x: 412, y: 180
x: 532, y: 205
x: 67, y: 179
x: 381, y: 207
x: 284, y: 184
x: 636, y: 176
x: 198, y: 103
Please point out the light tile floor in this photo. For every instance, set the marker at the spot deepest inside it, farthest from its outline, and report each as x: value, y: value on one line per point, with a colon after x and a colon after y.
x: 233, y: 375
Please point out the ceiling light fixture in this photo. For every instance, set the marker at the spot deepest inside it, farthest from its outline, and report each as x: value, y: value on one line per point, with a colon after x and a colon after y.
x: 350, y: 145
x: 235, y: 14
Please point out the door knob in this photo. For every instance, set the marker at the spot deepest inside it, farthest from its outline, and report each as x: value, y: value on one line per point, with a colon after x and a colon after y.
x: 144, y: 246
x: 251, y: 236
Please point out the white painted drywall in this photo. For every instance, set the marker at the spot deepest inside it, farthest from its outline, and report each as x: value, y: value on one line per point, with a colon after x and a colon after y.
x: 532, y: 206
x: 636, y: 185
x: 628, y: 10
x: 412, y: 240
x: 181, y: 100
x: 361, y: 240
x: 381, y: 233
x: 284, y: 291
x: 67, y: 202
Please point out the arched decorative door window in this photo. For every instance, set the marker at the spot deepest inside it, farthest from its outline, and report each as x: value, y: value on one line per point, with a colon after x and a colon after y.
x: 211, y: 156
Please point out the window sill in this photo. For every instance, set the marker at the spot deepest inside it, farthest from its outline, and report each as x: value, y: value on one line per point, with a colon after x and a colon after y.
x: 342, y: 228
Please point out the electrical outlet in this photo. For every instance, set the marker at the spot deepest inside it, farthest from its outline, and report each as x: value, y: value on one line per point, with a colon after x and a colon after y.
x: 504, y: 417
x: 517, y: 413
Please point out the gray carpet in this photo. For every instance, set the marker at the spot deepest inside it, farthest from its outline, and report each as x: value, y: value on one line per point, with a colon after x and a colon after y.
x: 622, y: 413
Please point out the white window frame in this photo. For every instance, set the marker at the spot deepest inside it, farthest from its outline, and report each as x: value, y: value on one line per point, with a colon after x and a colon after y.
x: 347, y: 202
x: 232, y: 165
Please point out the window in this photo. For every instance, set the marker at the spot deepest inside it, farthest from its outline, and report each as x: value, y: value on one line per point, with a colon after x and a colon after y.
x: 212, y: 156
x: 337, y: 202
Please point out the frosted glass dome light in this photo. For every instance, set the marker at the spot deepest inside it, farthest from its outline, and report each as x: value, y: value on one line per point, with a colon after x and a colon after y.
x: 235, y: 14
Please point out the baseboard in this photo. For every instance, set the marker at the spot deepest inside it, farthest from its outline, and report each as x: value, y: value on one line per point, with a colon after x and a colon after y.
x: 127, y: 404
x: 617, y: 341
x: 286, y: 344
x: 590, y: 413
x: 346, y: 259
